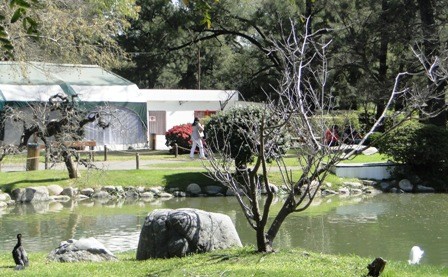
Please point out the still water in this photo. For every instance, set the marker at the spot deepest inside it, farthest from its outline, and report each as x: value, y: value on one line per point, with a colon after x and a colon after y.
x: 386, y: 225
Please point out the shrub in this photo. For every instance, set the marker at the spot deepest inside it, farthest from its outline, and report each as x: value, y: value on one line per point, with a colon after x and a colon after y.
x: 236, y: 133
x: 423, y: 148
x: 179, y: 134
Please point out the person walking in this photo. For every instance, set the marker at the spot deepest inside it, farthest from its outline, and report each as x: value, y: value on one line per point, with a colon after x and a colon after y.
x: 196, y: 138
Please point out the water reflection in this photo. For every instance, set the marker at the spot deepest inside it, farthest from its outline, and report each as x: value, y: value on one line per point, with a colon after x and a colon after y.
x: 385, y: 225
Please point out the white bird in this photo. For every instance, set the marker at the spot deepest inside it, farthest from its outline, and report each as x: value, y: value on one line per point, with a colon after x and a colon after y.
x: 415, y: 255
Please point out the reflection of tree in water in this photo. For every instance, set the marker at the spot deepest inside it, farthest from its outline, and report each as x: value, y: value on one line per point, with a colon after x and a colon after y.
x: 72, y: 225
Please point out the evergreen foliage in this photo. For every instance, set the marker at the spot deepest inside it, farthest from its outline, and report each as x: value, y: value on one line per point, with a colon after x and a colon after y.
x: 423, y: 148
x: 238, y: 130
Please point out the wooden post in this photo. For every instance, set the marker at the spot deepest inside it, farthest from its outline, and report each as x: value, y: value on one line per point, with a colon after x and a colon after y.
x: 176, y: 150
x: 105, y: 152
x: 137, y: 161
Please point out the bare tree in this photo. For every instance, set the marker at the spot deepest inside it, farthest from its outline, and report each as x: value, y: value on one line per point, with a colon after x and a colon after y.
x: 59, y: 124
x: 303, y: 106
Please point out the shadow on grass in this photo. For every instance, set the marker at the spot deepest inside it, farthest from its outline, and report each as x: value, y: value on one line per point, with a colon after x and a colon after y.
x: 182, y: 180
x: 11, y: 186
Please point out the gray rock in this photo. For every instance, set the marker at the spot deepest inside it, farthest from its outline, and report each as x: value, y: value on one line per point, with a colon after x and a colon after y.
x: 31, y: 194
x: 175, y: 233
x: 369, y: 183
x: 165, y: 195
x: 81, y: 197
x: 87, y: 192
x: 11, y: 202
x: 344, y: 191
x: 326, y: 192
x: 353, y: 184
x: 156, y: 190
x: 102, y: 194
x: 3, y: 205
x: 147, y: 194
x: 132, y: 193
x: 356, y: 191
x: 230, y: 192
x: 179, y: 194
x: 213, y: 190
x: 4, y: 197
x: 193, y: 189
x: 82, y: 250
x: 109, y: 189
x: 425, y: 189
x: 405, y: 185
x: 60, y: 198
x: 69, y: 191
x: 370, y: 151
x: 273, y: 187
x: 54, y: 189
x: 384, y: 186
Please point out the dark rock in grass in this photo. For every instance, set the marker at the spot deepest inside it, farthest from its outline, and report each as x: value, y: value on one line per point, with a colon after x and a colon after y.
x: 170, y: 233
x: 376, y: 267
x: 82, y: 250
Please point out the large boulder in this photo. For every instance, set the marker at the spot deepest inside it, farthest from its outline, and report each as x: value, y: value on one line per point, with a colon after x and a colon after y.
x: 405, y: 185
x: 82, y: 250
x: 31, y: 194
x: 54, y: 190
x: 170, y: 233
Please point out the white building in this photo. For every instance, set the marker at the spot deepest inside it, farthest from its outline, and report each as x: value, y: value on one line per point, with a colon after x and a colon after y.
x: 168, y: 108
x: 137, y: 116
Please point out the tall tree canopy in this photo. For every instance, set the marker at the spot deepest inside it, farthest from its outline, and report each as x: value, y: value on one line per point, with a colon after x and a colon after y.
x: 372, y: 41
x: 67, y: 31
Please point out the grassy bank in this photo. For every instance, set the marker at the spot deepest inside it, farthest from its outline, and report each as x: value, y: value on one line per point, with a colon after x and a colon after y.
x: 240, y: 262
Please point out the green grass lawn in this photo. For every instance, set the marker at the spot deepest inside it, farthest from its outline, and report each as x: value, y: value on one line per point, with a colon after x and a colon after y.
x: 170, y: 172
x: 235, y: 262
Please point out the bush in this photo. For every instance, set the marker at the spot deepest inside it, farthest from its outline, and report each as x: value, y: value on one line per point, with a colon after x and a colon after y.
x: 423, y: 148
x: 179, y: 134
x: 236, y: 133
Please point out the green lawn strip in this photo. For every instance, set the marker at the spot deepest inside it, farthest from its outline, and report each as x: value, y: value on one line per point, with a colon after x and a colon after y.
x: 234, y: 262
x: 97, y: 178
x: 170, y: 178
x: 374, y: 158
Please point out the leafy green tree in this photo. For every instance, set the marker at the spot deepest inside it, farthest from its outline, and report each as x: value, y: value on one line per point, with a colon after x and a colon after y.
x: 13, y: 13
x: 235, y: 132
x: 69, y: 31
x: 421, y: 148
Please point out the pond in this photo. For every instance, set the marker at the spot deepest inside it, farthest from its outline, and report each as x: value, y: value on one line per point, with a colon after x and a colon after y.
x: 386, y: 225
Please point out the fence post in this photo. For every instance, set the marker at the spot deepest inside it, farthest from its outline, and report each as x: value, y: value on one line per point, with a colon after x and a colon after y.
x: 105, y: 152
x: 176, y: 150
x: 137, y: 161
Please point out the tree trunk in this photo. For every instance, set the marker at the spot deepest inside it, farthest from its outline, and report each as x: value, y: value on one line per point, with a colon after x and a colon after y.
x: 382, y: 70
x: 431, y: 44
x: 286, y: 209
x: 71, y: 166
x: 263, y: 244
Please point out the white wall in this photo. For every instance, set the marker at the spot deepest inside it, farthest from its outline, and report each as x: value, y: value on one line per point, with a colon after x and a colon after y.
x: 374, y: 171
x: 179, y: 112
